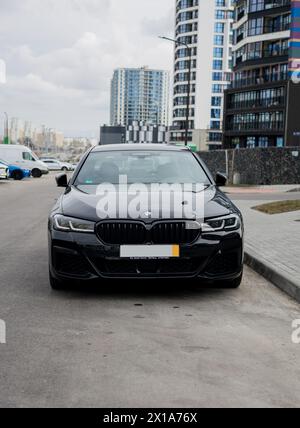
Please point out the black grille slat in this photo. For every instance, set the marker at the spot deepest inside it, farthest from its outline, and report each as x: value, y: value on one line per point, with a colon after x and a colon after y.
x: 140, y: 268
x: 136, y: 233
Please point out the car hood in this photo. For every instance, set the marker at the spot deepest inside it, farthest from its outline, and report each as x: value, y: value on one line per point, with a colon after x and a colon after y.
x: 78, y: 204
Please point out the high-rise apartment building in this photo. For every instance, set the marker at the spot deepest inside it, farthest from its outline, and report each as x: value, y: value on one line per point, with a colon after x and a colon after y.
x: 206, y: 27
x: 139, y: 95
x: 262, y: 106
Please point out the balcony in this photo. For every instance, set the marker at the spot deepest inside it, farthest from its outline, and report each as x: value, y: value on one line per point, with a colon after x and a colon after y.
x: 240, y: 37
x: 269, y: 27
x: 262, y: 55
x: 259, y: 80
x: 240, y: 15
x: 256, y: 126
x: 264, y: 5
x: 276, y: 28
x: 274, y: 102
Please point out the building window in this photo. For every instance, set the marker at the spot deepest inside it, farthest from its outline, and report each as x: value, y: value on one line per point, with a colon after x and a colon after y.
x: 217, y: 89
x: 215, y: 113
x: 218, y: 64
x: 218, y: 52
x: 216, y: 101
x: 219, y: 40
x: 217, y: 76
x: 251, y: 142
x: 215, y: 124
x: 219, y: 27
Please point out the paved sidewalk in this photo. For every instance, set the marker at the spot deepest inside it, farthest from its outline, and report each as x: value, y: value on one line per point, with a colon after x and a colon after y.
x: 272, y: 244
x: 261, y: 189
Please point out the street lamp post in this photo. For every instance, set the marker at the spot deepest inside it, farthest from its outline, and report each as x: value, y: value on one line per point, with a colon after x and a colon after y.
x: 6, y: 133
x: 189, y: 50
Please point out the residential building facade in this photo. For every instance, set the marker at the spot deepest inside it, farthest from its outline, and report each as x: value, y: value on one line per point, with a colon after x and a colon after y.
x: 262, y: 105
x: 206, y: 27
x: 139, y: 95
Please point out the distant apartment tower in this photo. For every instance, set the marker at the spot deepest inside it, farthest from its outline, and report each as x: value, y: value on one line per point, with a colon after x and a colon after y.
x: 206, y: 26
x: 16, y: 130
x: 139, y: 95
x: 262, y: 106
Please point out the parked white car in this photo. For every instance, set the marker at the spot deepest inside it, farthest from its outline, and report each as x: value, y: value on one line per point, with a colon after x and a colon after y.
x: 24, y: 158
x: 56, y: 165
x: 4, y: 172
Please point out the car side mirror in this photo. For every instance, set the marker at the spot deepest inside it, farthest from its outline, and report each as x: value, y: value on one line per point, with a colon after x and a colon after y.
x: 221, y: 179
x: 62, y: 180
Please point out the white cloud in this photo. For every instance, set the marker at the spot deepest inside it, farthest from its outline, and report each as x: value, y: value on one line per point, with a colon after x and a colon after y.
x: 60, y: 55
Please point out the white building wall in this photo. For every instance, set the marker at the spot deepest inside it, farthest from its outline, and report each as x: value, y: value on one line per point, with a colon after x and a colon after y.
x: 204, y: 82
x: 204, y: 63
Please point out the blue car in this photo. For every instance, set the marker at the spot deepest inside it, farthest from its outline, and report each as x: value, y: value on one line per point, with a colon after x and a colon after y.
x: 16, y: 172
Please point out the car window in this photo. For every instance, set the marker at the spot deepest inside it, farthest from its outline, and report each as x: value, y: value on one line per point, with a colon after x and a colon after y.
x: 142, y: 167
x: 27, y: 156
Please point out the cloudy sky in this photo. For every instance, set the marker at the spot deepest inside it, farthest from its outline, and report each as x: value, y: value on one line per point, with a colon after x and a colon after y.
x: 60, y: 55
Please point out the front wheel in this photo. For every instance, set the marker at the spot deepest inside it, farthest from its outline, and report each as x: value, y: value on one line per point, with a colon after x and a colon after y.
x: 17, y: 175
x: 36, y: 173
x: 64, y: 169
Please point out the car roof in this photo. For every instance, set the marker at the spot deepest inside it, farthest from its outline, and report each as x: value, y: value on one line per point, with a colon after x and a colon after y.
x: 139, y: 147
x: 14, y: 146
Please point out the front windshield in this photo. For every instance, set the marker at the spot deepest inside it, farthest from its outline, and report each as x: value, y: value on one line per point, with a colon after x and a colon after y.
x: 35, y: 157
x: 170, y: 167
x: 3, y: 162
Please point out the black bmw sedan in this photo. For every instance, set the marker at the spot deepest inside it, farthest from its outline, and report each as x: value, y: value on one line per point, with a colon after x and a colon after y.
x: 144, y: 211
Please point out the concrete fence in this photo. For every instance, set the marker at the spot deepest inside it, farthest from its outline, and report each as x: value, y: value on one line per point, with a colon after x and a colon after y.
x: 256, y: 166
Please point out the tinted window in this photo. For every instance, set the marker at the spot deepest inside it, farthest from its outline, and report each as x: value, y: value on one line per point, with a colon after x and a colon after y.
x: 27, y: 156
x: 141, y: 167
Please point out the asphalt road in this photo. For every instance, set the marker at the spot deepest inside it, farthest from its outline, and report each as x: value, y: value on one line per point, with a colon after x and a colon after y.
x: 171, y: 345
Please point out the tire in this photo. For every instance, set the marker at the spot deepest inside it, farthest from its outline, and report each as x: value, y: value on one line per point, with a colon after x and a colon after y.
x: 230, y: 284
x: 36, y: 173
x: 17, y: 175
x: 65, y: 169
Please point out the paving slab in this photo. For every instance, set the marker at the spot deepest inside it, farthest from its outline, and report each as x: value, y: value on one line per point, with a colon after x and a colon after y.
x: 272, y: 245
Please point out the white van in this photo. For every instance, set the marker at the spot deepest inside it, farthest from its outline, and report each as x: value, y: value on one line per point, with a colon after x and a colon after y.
x: 24, y: 158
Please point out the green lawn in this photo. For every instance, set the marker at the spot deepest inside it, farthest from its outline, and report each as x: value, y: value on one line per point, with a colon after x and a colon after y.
x: 279, y: 207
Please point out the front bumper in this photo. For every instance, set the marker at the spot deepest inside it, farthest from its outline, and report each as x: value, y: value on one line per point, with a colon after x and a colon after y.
x: 84, y: 257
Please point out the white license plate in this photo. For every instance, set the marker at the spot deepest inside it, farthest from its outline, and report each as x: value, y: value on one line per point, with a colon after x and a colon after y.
x: 149, y: 251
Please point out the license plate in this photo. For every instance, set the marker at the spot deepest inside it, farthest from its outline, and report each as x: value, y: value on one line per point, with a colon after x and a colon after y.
x: 149, y: 251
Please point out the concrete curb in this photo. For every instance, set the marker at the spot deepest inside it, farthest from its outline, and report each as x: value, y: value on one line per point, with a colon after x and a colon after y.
x: 269, y: 271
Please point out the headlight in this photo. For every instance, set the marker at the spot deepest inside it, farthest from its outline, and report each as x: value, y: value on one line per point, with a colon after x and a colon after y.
x: 68, y: 224
x: 229, y: 223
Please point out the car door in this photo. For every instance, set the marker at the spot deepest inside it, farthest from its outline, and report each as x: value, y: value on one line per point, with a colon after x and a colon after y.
x: 53, y: 165
x: 56, y: 166
x: 28, y: 162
